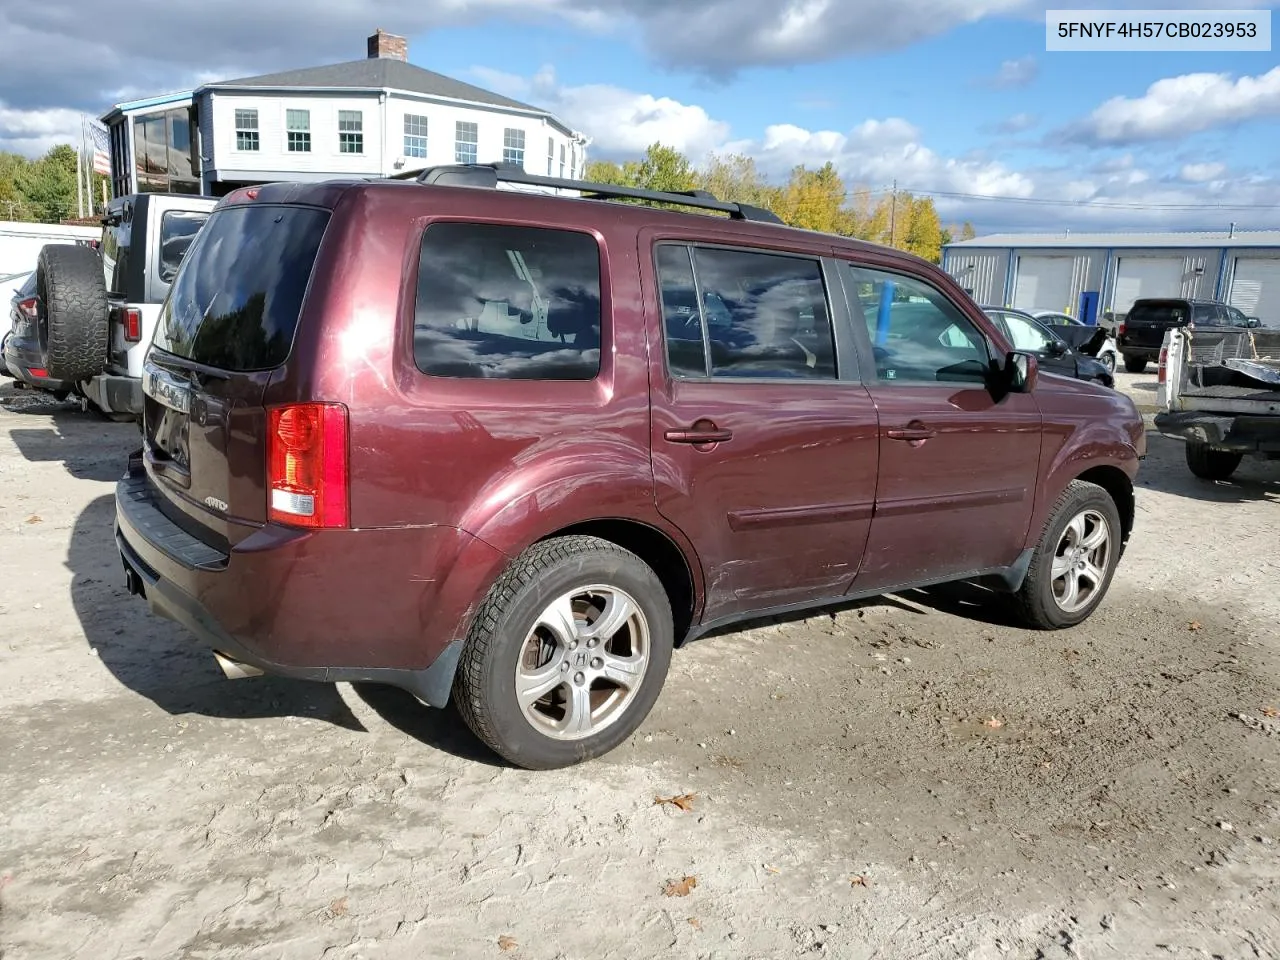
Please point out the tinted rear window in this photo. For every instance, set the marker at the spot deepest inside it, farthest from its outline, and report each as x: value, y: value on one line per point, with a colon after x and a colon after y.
x: 1169, y: 313
x: 235, y: 302
x: 508, y: 303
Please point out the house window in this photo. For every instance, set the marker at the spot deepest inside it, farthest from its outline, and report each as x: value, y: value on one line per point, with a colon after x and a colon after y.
x: 551, y: 155
x: 415, y: 135
x: 513, y: 146
x: 350, y: 131
x: 465, y: 142
x: 247, y: 137
x: 562, y: 159
x: 298, y: 128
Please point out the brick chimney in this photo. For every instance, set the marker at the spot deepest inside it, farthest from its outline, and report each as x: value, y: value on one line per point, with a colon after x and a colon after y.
x: 383, y: 44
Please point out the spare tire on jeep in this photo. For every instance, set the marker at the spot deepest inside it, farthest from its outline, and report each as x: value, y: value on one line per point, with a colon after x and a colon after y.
x: 73, y: 324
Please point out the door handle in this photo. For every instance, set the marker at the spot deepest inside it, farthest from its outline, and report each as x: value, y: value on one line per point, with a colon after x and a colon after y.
x: 702, y: 432
x: 912, y: 433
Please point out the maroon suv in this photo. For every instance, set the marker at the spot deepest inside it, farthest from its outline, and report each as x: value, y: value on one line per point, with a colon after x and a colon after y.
x: 511, y: 447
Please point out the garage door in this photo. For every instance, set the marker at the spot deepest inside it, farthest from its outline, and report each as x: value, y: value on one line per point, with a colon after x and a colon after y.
x: 1043, y: 283
x: 1138, y: 277
x: 1255, y: 289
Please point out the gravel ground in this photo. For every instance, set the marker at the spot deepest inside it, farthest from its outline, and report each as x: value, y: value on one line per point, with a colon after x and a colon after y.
x: 903, y: 778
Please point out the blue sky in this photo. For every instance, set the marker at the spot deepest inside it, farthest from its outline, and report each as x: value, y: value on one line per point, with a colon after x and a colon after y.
x: 946, y: 96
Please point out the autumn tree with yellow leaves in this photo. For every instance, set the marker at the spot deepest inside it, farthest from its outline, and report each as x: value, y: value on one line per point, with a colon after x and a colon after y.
x: 812, y: 199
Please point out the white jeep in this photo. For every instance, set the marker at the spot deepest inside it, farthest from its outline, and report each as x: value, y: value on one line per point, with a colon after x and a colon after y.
x: 98, y: 307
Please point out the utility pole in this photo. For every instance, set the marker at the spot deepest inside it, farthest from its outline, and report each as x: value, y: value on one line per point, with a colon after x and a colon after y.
x: 893, y: 214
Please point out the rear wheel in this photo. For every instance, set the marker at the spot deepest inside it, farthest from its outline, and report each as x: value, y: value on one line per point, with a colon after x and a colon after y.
x: 1208, y: 463
x: 567, y: 654
x: 72, y: 322
x: 1074, y: 560
x: 1134, y: 364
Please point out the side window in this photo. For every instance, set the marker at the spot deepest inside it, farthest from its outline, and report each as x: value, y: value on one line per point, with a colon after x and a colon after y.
x: 115, y: 257
x: 177, y: 229
x: 760, y: 314
x: 1025, y: 335
x: 1204, y: 315
x: 1237, y: 317
x: 509, y: 303
x: 917, y: 334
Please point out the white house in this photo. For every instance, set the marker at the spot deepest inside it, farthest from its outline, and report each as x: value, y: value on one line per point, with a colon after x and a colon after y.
x: 378, y: 116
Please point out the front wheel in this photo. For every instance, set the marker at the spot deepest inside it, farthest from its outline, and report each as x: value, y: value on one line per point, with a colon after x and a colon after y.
x: 567, y: 654
x: 1135, y: 364
x: 1108, y: 360
x: 1074, y: 560
x: 1210, y: 464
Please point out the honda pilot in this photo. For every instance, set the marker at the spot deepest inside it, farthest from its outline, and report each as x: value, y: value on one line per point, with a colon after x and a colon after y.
x: 507, y: 449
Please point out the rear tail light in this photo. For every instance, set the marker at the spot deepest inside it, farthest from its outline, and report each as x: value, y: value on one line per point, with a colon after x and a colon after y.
x: 131, y: 317
x: 1120, y: 329
x: 307, y: 478
x: 40, y: 373
x: 29, y: 308
x: 1164, y: 365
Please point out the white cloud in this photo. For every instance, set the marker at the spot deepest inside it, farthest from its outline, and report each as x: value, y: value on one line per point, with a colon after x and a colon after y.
x: 1018, y: 123
x: 1174, y: 107
x: 1015, y: 73
x: 34, y: 132
x: 622, y: 123
x: 1202, y: 172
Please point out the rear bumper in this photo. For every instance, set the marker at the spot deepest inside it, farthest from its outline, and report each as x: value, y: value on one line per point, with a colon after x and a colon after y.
x: 1139, y: 350
x: 22, y: 356
x: 299, y: 604
x: 115, y: 394
x: 1240, y: 433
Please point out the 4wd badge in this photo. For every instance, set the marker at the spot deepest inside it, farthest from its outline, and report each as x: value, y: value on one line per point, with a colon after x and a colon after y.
x: 216, y: 504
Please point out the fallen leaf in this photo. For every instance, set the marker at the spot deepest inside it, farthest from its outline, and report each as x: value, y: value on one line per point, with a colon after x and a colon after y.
x: 995, y: 723
x: 1195, y: 625
x: 684, y: 801
x: 507, y: 943
x: 859, y: 881
x: 680, y: 888
x: 338, y: 908
x: 1270, y: 712
x: 34, y: 518
x: 769, y: 869
x: 695, y: 923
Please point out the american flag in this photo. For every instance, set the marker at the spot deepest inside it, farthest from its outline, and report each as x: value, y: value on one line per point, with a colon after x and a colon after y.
x: 100, y: 140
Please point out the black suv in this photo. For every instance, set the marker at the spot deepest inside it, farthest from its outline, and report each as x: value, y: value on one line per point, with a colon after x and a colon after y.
x: 1140, y: 334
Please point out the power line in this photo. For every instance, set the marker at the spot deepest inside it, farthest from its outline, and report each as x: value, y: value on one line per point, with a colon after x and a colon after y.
x: 1104, y: 204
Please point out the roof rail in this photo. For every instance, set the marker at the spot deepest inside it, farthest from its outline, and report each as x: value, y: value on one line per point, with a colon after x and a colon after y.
x: 491, y: 174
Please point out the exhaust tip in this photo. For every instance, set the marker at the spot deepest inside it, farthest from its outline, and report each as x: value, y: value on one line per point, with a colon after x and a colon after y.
x: 234, y: 669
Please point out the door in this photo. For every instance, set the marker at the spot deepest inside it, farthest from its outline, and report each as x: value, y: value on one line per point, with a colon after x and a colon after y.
x: 1025, y: 334
x: 1043, y: 283
x: 1255, y: 288
x: 1139, y: 278
x: 958, y: 463
x: 764, y: 440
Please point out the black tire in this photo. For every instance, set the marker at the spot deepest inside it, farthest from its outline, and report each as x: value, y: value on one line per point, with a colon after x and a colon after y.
x: 72, y: 324
x: 1135, y: 364
x: 1210, y: 464
x: 484, y: 690
x: 1035, y: 603
x: 1108, y: 360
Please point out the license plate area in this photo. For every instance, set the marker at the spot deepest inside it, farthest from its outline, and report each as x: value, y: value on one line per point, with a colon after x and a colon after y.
x: 167, y: 416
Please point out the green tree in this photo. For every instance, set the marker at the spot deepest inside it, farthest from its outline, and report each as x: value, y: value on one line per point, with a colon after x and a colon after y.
x: 666, y: 169
x: 736, y: 179
x: 48, y: 186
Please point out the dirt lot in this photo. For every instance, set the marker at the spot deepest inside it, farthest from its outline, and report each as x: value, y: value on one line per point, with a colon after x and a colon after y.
x: 906, y: 778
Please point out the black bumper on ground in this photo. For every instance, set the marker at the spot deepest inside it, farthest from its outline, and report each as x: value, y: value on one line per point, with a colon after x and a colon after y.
x: 139, y: 521
x: 22, y: 356
x: 1224, y: 431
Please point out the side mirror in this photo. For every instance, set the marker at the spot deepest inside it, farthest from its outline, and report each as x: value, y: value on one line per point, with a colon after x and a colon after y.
x: 1022, y: 370
x: 1253, y: 322
x: 1057, y: 348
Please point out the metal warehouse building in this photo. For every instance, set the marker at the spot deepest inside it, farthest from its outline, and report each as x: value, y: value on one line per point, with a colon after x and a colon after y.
x: 1088, y: 274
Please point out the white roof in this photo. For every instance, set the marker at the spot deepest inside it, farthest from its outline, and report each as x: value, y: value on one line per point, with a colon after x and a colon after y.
x: 1219, y: 238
